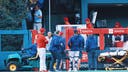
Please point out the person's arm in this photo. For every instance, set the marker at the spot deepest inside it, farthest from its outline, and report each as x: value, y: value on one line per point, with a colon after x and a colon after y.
x: 69, y: 43
x: 62, y: 43
x: 87, y: 45
x: 40, y: 14
x: 82, y: 43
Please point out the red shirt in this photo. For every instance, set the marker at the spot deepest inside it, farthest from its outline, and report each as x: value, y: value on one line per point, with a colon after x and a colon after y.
x: 34, y: 32
x: 119, y: 44
x: 89, y: 25
x: 41, y: 41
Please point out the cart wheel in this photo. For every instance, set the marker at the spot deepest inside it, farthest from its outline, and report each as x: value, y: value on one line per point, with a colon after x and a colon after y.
x: 12, y: 66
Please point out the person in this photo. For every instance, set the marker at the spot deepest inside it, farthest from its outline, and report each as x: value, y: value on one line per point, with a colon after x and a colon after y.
x: 41, y: 49
x: 83, y: 38
x: 29, y: 52
x: 66, y: 21
x: 49, y: 38
x: 75, y: 44
x: 54, y: 46
x: 118, y: 43
x: 37, y: 18
x: 33, y: 1
x: 29, y: 19
x: 88, y: 23
x: 116, y: 36
x: 91, y: 47
x: 34, y: 33
x: 77, y: 17
x: 61, y: 51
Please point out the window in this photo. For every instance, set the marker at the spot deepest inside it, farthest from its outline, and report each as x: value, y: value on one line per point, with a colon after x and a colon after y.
x: 11, y: 42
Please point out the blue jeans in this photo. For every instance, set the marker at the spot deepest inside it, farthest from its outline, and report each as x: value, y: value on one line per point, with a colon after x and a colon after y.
x: 92, y: 60
x: 53, y: 60
x: 55, y: 56
x: 59, y: 58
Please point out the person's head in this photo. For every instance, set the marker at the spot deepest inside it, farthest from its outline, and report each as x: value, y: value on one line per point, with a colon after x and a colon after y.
x: 66, y: 19
x: 42, y: 30
x: 49, y: 34
x: 60, y: 33
x: 34, y: 31
x: 36, y: 7
x: 118, y: 25
x: 75, y: 31
x: 87, y: 20
x: 56, y: 33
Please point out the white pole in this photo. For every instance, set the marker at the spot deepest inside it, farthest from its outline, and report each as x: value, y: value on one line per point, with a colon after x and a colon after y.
x: 49, y: 15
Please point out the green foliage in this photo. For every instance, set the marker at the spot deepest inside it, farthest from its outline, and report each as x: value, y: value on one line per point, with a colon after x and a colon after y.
x: 11, y: 13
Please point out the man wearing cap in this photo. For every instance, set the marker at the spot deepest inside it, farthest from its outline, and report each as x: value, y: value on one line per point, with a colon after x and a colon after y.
x: 88, y: 23
x: 117, y: 38
x: 41, y: 49
x: 61, y: 53
x: 54, y: 48
x: 66, y: 21
x: 75, y: 44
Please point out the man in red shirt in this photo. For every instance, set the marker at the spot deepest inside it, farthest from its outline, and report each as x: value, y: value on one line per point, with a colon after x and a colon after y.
x: 117, y: 38
x: 41, y: 49
x: 66, y: 21
x: 88, y: 23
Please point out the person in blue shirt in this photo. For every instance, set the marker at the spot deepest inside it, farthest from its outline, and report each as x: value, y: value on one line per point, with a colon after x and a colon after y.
x: 91, y: 47
x: 30, y: 51
x: 61, y: 52
x: 76, y: 44
x: 37, y: 18
x: 54, y: 49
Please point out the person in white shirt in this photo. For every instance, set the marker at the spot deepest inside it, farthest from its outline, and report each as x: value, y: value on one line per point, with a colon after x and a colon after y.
x: 49, y: 38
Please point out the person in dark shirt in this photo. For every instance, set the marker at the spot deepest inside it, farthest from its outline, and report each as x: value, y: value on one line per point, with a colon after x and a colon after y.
x: 91, y: 47
x: 54, y: 49
x: 30, y: 51
x: 75, y: 44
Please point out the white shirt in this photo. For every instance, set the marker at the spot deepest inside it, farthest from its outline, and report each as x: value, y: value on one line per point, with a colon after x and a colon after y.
x: 49, y: 41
